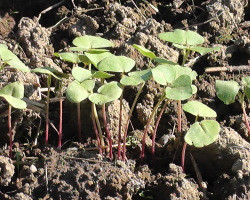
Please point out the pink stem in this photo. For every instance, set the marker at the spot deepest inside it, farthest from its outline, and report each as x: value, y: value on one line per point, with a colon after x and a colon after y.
x: 107, y: 132
x: 96, y: 130
x: 142, y: 155
x: 245, y: 117
x: 10, y: 131
x: 156, y: 127
x: 179, y: 115
x: 79, y: 122
x: 120, y: 129
x: 60, y: 123
x: 183, y: 156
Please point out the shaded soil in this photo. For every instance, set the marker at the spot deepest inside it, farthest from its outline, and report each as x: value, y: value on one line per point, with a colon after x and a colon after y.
x: 77, y: 171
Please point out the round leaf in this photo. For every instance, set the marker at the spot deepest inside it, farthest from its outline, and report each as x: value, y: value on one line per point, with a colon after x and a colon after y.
x: 204, y: 50
x: 144, y: 74
x: 197, y: 108
x: 227, y: 90
x: 144, y: 51
x: 50, y: 71
x: 15, y: 89
x: 68, y: 56
x: 76, y: 92
x: 91, y: 42
x: 185, y: 71
x: 164, y: 74
x: 84, y: 59
x: 116, y: 64
x: 202, y: 133
x: 106, y: 93
x: 131, y: 80
x: 81, y: 74
x: 194, y: 89
x: 181, y: 89
x: 11, y: 59
x: 164, y: 61
x: 100, y: 74
x: 96, y: 57
x: 15, y: 102
x: 246, y: 81
x: 182, y: 37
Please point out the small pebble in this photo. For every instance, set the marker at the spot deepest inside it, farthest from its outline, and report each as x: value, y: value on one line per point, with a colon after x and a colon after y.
x: 33, y: 169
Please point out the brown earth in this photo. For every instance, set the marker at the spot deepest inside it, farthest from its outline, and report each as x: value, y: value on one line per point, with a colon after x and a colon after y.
x: 78, y: 171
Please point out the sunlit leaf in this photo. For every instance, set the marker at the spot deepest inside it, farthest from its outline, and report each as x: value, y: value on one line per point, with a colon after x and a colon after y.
x: 11, y: 59
x: 81, y: 74
x: 145, y: 51
x: 204, y: 50
x: 101, y: 74
x: 180, y: 89
x: 144, y: 74
x: 116, y: 64
x: 15, y: 102
x: 106, y: 93
x: 15, y: 89
x: 164, y: 61
x: 96, y: 57
x: 164, y: 74
x: 91, y: 42
x: 202, y: 133
x: 131, y: 80
x: 68, y: 56
x: 182, y: 37
x: 77, y: 92
x: 50, y: 71
x: 197, y: 108
x: 227, y: 90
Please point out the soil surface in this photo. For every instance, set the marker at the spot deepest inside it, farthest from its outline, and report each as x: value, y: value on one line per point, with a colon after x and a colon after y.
x: 34, y: 30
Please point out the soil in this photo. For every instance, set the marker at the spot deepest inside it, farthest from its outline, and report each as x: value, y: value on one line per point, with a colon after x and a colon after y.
x: 38, y: 171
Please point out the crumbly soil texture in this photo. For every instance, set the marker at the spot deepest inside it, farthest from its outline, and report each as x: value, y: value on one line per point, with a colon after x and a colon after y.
x: 34, y: 30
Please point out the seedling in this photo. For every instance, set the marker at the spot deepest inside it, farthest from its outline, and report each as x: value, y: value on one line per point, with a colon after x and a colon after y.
x: 123, y: 65
x: 187, y: 41
x: 57, y: 75
x: 8, y: 58
x: 228, y: 90
x: 92, y: 46
x: 200, y: 133
x: 13, y: 93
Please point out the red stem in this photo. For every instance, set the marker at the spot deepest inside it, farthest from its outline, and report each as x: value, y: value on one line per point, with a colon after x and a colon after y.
x: 60, y: 123
x: 142, y: 155
x: 129, y: 117
x: 120, y: 128
x: 47, y: 123
x: 179, y: 115
x: 107, y: 132
x: 245, y: 117
x: 183, y: 156
x: 79, y: 122
x: 47, y: 111
x: 10, y: 131
x: 96, y: 130
x: 156, y: 127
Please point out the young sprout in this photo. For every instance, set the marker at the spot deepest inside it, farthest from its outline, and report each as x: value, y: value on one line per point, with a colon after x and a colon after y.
x: 121, y: 64
x: 8, y: 58
x: 93, y: 53
x: 200, y: 133
x: 57, y: 75
x: 187, y: 41
x: 13, y: 93
x: 228, y: 90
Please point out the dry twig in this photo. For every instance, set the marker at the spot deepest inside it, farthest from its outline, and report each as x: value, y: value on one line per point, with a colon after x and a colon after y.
x: 244, y: 68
